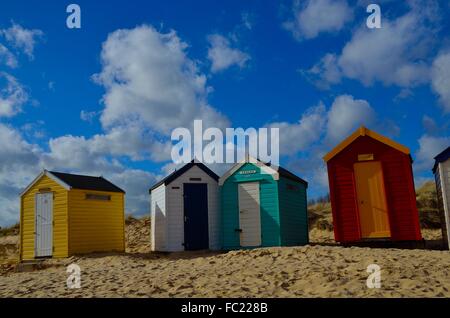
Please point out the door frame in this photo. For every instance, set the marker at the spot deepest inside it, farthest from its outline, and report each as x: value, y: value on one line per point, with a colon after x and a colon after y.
x: 184, y: 212
x: 358, y: 215
x: 35, y: 223
x: 259, y: 214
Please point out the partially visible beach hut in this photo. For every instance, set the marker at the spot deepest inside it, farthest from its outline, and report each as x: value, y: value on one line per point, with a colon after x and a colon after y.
x: 185, y: 210
x: 441, y: 172
x: 372, y: 189
x: 262, y: 206
x: 64, y: 214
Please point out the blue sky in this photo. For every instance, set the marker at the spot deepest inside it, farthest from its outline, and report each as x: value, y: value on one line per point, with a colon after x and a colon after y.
x: 103, y: 99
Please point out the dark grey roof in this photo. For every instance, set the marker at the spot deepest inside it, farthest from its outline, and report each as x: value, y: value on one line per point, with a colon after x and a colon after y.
x: 87, y: 182
x: 287, y: 174
x: 182, y: 170
x: 443, y: 156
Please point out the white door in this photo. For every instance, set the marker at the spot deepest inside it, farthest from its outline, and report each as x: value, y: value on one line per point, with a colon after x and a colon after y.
x: 44, y: 225
x: 249, y: 214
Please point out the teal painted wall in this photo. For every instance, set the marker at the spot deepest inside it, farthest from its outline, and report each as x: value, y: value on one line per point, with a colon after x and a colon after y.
x: 293, y: 212
x: 270, y: 216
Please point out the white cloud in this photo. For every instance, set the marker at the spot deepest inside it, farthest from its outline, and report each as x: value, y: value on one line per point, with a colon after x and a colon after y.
x: 18, y: 161
x: 319, y: 130
x: 440, y: 76
x: 325, y: 73
x: 150, y: 81
x: 298, y: 136
x: 7, y: 57
x: 396, y: 54
x: 151, y: 87
x: 313, y: 17
x: 21, y: 38
x: 345, y: 115
x: 12, y: 96
x: 429, y: 147
x: 222, y: 55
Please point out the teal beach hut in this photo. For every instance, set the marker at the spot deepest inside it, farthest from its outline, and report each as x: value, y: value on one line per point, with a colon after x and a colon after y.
x: 262, y: 206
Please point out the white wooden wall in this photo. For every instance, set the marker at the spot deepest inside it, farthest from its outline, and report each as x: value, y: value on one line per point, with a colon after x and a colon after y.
x: 158, y: 220
x: 175, y: 210
x: 443, y: 185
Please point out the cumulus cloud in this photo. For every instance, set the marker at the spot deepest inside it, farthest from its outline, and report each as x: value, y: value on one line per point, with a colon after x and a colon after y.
x: 22, y: 38
x: 396, y: 54
x: 345, y: 115
x: 298, y: 136
x: 150, y: 81
x: 440, y: 76
x: 151, y: 86
x: 320, y: 129
x: 18, y: 161
x: 429, y: 147
x: 222, y: 55
x: 21, y: 162
x: 313, y: 17
x: 12, y: 96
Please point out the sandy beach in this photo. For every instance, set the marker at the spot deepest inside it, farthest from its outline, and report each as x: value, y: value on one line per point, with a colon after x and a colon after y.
x: 308, y: 271
x: 321, y: 269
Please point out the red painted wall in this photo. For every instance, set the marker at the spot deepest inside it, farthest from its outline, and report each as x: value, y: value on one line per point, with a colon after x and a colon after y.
x: 399, y: 185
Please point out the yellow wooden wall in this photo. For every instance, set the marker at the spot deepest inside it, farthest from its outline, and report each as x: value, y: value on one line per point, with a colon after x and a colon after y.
x: 96, y: 225
x: 60, y: 219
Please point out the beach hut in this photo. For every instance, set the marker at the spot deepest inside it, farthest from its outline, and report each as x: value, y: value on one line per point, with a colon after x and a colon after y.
x: 372, y: 189
x: 441, y: 172
x: 65, y: 214
x: 185, y: 211
x: 262, y: 206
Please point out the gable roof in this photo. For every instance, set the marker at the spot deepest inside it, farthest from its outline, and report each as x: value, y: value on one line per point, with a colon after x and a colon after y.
x: 363, y: 131
x: 82, y: 182
x: 174, y: 175
x: 275, y: 171
x: 443, y: 156
x: 73, y: 181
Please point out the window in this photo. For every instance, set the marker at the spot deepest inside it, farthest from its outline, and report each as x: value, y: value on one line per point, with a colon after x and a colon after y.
x: 98, y: 197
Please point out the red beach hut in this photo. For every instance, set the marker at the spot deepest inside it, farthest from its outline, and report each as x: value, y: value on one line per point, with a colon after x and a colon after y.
x: 372, y: 189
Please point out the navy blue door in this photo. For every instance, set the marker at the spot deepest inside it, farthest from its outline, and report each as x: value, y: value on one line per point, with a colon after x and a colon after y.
x: 195, y: 216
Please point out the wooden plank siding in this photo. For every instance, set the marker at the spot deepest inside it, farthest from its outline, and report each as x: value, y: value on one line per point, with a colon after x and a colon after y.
x: 96, y: 225
x: 442, y: 178
x: 399, y: 186
x: 60, y: 219
x: 158, y: 220
x: 175, y: 209
x: 270, y: 221
x: 293, y: 212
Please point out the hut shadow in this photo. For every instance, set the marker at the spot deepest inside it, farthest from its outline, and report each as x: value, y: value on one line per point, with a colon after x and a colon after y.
x: 407, y: 245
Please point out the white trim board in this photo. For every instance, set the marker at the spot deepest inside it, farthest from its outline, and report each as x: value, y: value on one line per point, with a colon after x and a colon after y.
x: 264, y: 169
x: 49, y: 175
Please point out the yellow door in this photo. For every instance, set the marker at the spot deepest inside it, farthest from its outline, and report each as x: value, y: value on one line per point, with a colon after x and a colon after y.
x: 371, y: 197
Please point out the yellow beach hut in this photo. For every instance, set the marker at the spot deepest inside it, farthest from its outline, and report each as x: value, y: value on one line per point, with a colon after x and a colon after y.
x: 64, y: 214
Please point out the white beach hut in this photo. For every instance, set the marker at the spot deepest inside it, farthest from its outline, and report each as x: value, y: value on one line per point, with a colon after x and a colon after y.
x: 185, y: 210
x: 441, y: 172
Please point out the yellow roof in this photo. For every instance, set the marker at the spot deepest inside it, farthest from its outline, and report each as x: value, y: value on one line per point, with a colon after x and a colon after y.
x: 363, y: 131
